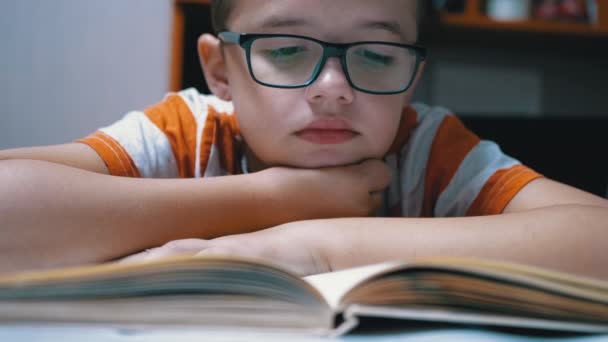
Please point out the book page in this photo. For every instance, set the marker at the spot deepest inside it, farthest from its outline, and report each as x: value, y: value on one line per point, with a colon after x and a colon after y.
x: 193, y: 290
x: 334, y: 285
x: 524, y: 274
x: 215, y: 275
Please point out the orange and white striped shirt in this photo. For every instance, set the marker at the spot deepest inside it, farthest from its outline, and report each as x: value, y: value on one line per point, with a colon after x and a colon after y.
x: 440, y: 168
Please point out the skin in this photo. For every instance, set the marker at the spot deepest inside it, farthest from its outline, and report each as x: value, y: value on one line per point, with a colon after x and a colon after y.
x: 48, y: 217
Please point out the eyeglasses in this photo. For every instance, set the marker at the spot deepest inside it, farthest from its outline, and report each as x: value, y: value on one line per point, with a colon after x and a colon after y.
x: 291, y: 61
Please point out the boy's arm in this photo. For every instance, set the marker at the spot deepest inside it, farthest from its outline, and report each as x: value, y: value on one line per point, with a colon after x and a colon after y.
x: 56, y: 215
x: 565, y: 235
x: 53, y: 215
x: 547, y: 224
x: 76, y: 155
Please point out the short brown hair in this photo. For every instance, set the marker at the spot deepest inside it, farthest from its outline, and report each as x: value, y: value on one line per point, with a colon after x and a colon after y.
x: 220, y: 10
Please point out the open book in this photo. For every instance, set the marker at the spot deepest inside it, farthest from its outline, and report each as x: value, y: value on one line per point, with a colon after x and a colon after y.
x: 227, y: 291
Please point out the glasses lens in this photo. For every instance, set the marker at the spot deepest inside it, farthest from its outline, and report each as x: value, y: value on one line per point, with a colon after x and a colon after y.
x: 381, y: 67
x: 284, y: 61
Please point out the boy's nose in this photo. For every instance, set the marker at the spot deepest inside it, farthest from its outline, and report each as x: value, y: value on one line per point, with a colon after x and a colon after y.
x: 331, y: 84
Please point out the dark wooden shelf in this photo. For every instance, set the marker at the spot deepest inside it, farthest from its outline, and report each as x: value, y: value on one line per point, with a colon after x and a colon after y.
x: 473, y: 17
x: 528, y: 26
x: 178, y: 40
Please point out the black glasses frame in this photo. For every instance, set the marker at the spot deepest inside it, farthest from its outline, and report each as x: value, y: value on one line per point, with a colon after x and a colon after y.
x: 246, y: 40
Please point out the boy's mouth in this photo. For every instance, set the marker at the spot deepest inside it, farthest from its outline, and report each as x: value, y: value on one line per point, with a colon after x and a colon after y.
x: 327, y: 131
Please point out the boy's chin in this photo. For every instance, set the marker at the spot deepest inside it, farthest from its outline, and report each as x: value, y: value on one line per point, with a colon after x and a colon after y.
x: 314, y: 160
x: 323, y: 163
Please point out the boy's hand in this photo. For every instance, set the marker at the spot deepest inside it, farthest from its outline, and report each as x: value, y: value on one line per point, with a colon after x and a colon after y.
x: 296, y: 246
x: 345, y: 191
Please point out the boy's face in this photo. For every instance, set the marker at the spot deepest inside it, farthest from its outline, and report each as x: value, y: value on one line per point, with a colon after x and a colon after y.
x: 327, y: 123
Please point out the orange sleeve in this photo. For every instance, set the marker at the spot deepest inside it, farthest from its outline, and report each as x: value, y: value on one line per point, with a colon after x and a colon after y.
x: 174, y: 118
x: 500, y: 189
x: 161, y: 142
x: 117, y: 160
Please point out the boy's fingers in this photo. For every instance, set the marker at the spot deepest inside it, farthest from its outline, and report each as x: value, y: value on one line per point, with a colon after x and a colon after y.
x: 217, y: 251
x: 172, y: 248
x: 185, y: 245
x: 141, y: 256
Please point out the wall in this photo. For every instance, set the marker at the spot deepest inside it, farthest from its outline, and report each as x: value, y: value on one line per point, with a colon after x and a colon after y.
x: 68, y: 67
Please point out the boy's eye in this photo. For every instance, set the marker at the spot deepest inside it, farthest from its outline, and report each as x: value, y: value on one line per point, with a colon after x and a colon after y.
x: 285, y: 53
x: 374, y: 58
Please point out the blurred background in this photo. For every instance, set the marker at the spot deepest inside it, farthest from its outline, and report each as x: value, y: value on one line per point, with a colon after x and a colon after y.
x: 529, y: 74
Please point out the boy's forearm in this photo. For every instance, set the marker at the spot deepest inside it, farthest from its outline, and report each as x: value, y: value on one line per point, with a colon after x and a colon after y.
x: 52, y: 215
x: 567, y: 238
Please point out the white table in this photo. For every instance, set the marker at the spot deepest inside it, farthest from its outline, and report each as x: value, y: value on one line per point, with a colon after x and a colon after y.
x: 79, y: 333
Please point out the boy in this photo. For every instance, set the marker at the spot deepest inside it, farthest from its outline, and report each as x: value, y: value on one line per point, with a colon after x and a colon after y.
x: 324, y: 137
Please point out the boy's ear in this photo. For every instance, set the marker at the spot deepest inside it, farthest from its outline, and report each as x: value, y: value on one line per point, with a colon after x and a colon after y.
x: 214, y: 66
